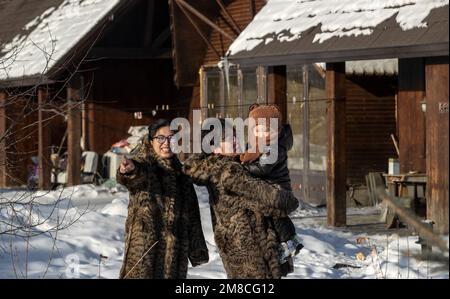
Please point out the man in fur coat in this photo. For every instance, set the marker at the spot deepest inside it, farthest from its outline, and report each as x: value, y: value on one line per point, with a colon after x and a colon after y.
x: 240, y: 205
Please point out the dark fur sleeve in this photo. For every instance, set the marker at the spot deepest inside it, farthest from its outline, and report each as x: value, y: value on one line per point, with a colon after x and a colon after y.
x: 258, y: 194
x: 194, y: 167
x: 133, y: 179
x: 198, y: 252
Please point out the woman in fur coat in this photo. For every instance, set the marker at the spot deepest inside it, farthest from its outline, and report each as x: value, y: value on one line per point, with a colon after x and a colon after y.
x: 163, y: 229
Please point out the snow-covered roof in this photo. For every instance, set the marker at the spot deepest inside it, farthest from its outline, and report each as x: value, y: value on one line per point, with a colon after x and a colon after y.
x: 42, y: 42
x: 289, y: 26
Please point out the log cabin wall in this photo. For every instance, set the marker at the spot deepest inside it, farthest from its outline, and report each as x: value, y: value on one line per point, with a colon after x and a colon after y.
x: 122, y: 87
x: 370, y: 119
x: 132, y: 71
x: 22, y: 141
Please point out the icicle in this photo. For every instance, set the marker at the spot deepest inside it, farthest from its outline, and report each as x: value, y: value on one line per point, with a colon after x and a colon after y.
x: 224, y: 66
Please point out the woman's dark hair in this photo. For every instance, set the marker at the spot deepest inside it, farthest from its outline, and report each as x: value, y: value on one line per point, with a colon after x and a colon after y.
x: 156, y: 125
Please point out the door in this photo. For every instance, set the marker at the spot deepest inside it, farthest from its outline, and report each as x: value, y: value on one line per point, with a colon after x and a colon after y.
x: 306, y: 113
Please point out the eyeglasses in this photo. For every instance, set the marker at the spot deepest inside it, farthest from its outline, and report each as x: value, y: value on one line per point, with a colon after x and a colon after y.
x: 161, y: 138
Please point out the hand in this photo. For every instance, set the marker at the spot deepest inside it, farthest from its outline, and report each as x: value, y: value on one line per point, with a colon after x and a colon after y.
x: 126, y: 165
x: 286, y: 201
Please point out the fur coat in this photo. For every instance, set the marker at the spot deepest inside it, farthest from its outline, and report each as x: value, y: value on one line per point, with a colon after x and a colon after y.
x: 163, y: 228
x: 240, y: 207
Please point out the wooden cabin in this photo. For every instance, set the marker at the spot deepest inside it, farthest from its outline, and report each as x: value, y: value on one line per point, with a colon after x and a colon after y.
x: 345, y: 88
x: 91, y: 68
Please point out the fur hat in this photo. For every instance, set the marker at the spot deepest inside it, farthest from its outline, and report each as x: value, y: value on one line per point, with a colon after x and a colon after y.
x: 257, y: 111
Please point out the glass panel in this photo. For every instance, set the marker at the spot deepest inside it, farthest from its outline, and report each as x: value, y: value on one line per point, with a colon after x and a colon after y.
x: 295, y: 110
x: 317, y: 121
x: 213, y: 94
x: 231, y: 101
x: 249, y: 91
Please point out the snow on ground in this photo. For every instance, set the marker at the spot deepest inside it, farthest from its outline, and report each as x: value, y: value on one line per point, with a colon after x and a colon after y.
x: 100, y: 231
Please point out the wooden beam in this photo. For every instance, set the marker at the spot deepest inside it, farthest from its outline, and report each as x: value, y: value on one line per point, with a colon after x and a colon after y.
x: 230, y: 18
x: 3, y: 130
x: 203, y: 18
x: 437, y: 118
x: 277, y: 88
x: 411, y: 118
x: 161, y: 39
x: 74, y: 135
x: 43, y: 142
x: 148, y: 37
x: 252, y: 7
x: 336, y: 162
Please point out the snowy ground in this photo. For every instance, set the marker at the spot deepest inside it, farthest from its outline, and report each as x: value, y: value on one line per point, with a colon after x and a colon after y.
x: 100, y: 230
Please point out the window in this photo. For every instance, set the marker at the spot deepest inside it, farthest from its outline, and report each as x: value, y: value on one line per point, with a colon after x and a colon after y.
x: 232, y: 98
x: 249, y: 90
x: 317, y: 120
x: 295, y: 115
x: 213, y: 94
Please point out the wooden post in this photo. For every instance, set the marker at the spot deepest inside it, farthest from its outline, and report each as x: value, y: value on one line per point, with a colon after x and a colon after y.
x: 411, y: 118
x: 90, y: 123
x: 277, y: 88
x: 43, y: 142
x: 74, y: 135
x: 3, y: 128
x: 336, y: 162
x: 437, y: 118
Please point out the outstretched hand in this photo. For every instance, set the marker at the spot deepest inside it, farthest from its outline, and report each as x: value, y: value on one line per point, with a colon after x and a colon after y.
x: 126, y: 165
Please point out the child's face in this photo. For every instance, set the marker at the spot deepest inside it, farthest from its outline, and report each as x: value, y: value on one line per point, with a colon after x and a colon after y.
x: 264, y: 132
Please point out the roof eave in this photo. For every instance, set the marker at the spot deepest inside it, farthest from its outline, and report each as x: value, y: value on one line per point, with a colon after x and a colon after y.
x: 430, y: 50
x: 26, y: 81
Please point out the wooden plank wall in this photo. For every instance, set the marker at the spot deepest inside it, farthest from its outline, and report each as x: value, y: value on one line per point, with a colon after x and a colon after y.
x: 370, y: 119
x: 120, y: 88
x: 103, y: 131
x: 411, y: 118
x: 22, y: 143
x: 437, y: 142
